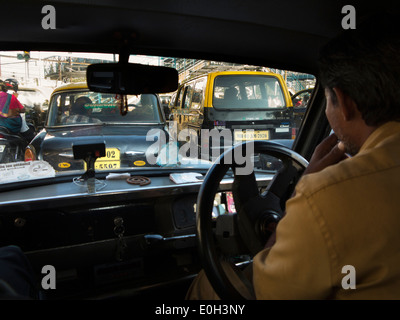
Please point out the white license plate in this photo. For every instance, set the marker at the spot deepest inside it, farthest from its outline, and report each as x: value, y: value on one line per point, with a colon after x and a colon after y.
x: 255, y: 135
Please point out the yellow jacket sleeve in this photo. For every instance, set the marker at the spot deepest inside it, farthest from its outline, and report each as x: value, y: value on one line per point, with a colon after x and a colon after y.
x: 297, y: 266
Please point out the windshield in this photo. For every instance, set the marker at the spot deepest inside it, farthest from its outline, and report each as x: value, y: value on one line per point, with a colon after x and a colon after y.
x: 250, y: 92
x: 83, y: 107
x: 183, y: 130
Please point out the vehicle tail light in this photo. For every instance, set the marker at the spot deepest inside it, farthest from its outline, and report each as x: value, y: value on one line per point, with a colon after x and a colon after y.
x: 1, y: 136
x: 29, y: 154
x: 294, y: 133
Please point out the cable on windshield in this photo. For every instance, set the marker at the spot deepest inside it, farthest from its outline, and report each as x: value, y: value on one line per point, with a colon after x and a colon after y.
x: 122, y: 102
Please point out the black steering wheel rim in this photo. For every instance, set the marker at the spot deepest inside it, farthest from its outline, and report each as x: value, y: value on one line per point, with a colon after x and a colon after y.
x: 212, y: 261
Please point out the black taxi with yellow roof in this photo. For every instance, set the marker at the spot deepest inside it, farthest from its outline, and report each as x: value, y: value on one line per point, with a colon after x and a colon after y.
x: 78, y: 114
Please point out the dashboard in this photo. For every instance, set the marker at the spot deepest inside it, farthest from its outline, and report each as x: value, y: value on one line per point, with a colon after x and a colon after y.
x: 141, y: 236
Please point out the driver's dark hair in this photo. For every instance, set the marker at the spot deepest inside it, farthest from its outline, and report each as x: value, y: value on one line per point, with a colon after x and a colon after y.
x: 365, y: 64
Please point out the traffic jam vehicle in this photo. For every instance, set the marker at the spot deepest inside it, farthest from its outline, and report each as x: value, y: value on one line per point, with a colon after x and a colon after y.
x: 235, y: 101
x: 72, y: 122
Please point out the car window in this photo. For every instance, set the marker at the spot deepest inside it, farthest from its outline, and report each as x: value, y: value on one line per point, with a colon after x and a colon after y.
x: 301, y: 98
x: 198, y: 93
x: 80, y: 107
x: 179, y: 97
x: 247, y: 92
x: 187, y: 97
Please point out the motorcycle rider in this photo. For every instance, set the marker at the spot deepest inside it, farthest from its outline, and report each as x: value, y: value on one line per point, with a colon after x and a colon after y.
x: 11, y: 110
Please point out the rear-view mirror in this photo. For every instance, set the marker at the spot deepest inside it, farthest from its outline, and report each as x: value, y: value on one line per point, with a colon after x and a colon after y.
x: 130, y: 78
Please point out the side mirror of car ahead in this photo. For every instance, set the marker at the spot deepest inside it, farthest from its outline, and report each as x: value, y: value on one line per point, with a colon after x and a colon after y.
x: 131, y: 78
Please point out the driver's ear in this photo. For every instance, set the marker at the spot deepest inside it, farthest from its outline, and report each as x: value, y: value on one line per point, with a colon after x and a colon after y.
x: 348, y: 108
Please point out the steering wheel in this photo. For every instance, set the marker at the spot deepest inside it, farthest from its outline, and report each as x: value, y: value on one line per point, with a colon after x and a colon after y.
x: 244, y: 233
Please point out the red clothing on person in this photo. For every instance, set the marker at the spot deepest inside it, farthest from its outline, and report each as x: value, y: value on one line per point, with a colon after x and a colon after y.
x: 14, y: 108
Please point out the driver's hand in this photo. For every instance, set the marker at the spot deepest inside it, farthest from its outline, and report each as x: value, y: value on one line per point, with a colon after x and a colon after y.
x: 330, y: 151
x: 327, y: 153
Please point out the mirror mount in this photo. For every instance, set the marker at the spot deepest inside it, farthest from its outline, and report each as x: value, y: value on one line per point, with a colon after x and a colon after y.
x: 124, y: 55
x: 128, y: 78
x: 125, y: 42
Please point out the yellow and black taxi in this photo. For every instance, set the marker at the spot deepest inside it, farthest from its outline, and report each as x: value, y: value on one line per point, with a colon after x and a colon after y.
x: 77, y: 114
x: 252, y: 105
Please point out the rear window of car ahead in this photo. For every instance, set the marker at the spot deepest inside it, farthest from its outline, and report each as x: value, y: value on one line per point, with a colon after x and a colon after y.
x: 249, y: 92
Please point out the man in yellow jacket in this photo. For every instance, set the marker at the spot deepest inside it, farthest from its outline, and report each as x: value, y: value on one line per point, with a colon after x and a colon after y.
x: 340, y: 236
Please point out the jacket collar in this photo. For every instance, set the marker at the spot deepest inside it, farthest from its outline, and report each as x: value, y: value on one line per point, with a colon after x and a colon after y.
x: 383, y: 132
